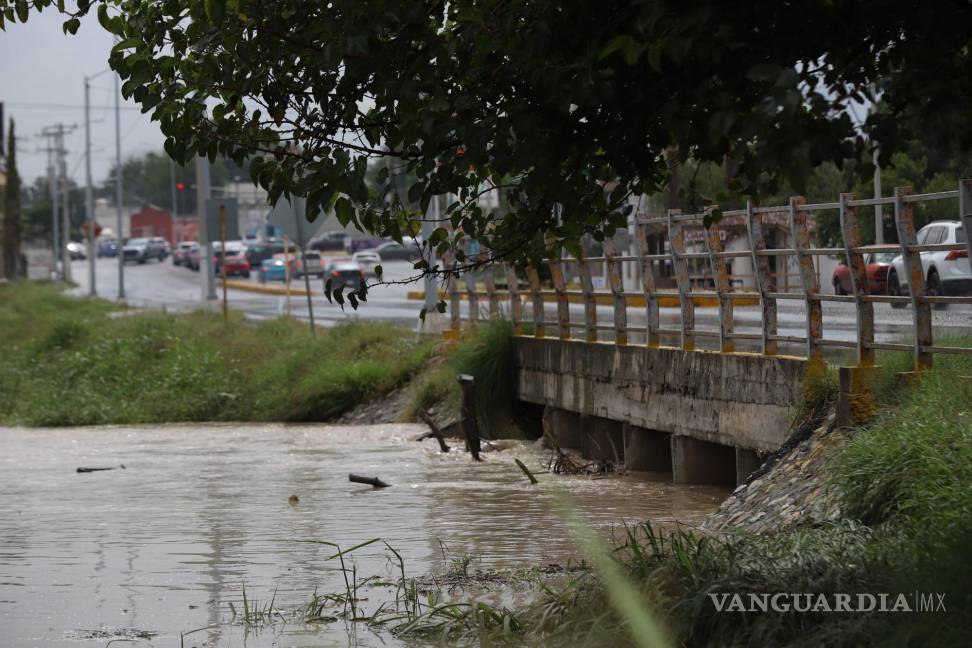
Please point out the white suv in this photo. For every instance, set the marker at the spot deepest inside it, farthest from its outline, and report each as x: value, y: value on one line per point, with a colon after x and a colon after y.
x: 946, y: 273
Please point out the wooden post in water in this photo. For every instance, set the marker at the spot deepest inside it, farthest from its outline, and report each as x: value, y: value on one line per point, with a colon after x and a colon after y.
x: 469, y: 427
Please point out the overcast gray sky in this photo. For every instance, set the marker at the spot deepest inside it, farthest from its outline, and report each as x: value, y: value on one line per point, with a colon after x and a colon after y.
x: 43, y: 83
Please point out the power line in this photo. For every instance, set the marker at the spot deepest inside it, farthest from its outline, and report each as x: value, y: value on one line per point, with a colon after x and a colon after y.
x: 62, y: 106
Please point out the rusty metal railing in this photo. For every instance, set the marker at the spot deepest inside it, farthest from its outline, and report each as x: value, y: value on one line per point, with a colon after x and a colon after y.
x: 797, y: 219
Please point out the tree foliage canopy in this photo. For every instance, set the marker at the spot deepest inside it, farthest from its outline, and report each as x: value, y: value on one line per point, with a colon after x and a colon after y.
x: 554, y: 101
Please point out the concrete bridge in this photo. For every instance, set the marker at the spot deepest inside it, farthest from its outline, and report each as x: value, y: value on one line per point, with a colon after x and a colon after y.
x: 706, y: 417
x: 685, y: 399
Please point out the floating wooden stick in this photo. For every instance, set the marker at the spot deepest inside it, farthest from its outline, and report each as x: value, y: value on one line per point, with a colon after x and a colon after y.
x: 91, y: 470
x: 436, y: 432
x: 526, y: 471
x: 371, y: 481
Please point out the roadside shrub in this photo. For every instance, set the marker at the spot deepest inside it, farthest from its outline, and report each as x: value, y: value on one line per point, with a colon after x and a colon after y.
x: 487, y: 353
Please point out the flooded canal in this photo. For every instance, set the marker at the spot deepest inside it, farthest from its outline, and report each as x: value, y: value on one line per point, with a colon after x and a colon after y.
x: 167, y: 544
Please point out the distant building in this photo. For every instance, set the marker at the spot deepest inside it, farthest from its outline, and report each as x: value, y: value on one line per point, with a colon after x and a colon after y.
x: 107, y: 217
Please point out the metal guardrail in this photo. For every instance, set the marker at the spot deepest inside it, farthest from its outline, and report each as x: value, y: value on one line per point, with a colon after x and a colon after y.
x: 798, y: 214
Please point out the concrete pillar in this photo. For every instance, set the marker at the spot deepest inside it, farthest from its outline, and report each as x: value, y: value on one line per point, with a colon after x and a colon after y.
x: 647, y: 450
x: 747, y: 461
x: 701, y: 462
x: 603, y: 439
x: 564, y: 427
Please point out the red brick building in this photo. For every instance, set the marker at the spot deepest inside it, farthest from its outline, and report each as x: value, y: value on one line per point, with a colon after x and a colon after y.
x: 152, y: 221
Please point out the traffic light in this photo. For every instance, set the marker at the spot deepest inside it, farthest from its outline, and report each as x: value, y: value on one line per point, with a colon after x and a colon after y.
x: 181, y: 186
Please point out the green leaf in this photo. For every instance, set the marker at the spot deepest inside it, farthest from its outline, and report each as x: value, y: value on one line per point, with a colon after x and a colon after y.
x: 344, y: 210
x: 619, y: 42
x: 103, y: 16
x: 71, y: 26
x: 22, y: 10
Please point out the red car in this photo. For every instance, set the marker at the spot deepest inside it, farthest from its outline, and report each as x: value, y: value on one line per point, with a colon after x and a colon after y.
x: 877, y: 266
x: 234, y: 263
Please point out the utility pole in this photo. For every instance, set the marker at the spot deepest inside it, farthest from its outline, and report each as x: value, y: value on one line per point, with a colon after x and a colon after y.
x: 55, y: 224
x: 65, y: 214
x: 175, y: 204
x: 118, y: 194
x: 57, y: 180
x: 205, y: 236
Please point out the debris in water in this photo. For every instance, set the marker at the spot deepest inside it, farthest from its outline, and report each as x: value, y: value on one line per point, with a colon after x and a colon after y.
x: 106, y: 632
x: 371, y: 481
x: 90, y: 470
x: 293, y: 500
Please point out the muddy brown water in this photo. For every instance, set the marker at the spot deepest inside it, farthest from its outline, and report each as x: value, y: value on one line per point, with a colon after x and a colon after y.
x: 166, y: 544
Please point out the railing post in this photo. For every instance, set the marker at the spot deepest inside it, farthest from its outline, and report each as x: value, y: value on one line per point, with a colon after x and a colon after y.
x: 563, y: 306
x: 590, y: 305
x: 617, y: 291
x: 455, y: 308
x: 904, y: 222
x: 764, y: 279
x: 533, y: 277
x: 489, y: 278
x: 676, y: 242
x: 648, y: 284
x: 471, y: 295
x: 808, y: 277
x: 720, y: 277
x: 965, y: 212
x: 516, y: 308
x: 858, y: 279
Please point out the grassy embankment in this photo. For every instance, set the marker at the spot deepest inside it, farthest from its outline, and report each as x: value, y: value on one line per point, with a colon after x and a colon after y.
x: 66, y: 361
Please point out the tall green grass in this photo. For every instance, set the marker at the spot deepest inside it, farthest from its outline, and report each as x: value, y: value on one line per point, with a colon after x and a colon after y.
x: 488, y: 354
x: 64, y: 361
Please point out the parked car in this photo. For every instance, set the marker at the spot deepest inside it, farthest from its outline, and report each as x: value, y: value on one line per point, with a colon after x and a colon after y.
x: 77, y: 251
x: 164, y: 244
x: 946, y: 273
x: 367, y: 259
x: 259, y: 251
x: 273, y: 269
x: 328, y: 241
x: 393, y: 250
x: 234, y: 264
x: 313, y: 261
x: 194, y: 257
x: 877, y: 265
x: 354, y: 244
x: 108, y: 248
x: 181, y: 254
x: 141, y: 250
x: 346, y: 274
x: 233, y: 249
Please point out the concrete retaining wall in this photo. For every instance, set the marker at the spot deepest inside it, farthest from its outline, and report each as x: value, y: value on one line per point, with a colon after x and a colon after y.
x: 736, y: 399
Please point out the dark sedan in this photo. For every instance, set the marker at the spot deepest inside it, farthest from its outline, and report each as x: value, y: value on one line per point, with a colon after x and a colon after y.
x: 393, y: 250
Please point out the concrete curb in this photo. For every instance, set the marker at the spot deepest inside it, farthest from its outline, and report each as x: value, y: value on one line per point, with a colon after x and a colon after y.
x: 263, y: 288
x: 606, y: 299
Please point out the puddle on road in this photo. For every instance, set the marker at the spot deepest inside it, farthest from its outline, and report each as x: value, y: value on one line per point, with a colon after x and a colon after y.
x: 166, y: 545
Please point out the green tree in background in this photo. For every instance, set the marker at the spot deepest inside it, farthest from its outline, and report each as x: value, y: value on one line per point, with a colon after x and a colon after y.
x: 553, y: 101
x: 147, y: 180
x: 14, y: 264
